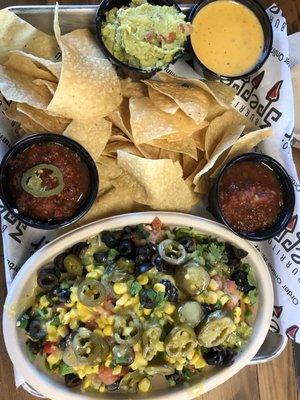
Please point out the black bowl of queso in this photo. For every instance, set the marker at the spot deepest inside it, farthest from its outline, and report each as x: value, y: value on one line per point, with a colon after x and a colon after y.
x: 48, y: 181
x: 230, y: 39
x: 254, y: 196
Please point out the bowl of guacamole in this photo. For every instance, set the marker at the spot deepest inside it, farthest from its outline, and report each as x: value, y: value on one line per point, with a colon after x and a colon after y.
x: 140, y: 35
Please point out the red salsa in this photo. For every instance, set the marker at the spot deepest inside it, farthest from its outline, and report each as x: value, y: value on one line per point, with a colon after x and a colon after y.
x: 48, y: 181
x: 250, y: 196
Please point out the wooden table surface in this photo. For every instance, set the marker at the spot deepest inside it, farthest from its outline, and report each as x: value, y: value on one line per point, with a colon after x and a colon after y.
x: 271, y: 381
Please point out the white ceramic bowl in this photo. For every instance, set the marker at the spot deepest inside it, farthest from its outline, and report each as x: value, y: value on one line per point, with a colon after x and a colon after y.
x: 25, y: 282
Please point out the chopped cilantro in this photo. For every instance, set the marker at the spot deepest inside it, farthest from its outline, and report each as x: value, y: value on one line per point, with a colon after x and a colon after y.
x: 23, y: 321
x: 55, y: 321
x: 182, y: 232
x: 253, y: 296
x: 112, y: 254
x: 41, y: 312
x: 135, y: 288
x: 64, y: 369
x: 248, y: 313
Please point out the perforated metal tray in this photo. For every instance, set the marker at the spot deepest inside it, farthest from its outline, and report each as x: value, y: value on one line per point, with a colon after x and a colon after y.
x: 83, y: 16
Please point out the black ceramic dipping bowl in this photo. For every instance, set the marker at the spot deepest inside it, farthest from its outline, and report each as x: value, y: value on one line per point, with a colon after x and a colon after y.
x: 107, y: 5
x: 22, y: 145
x: 287, y: 191
x: 263, y: 18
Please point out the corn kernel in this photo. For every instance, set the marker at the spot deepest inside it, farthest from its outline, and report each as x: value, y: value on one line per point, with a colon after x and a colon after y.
x: 169, y: 308
x: 160, y: 346
x: 213, y: 285
x: 147, y: 311
x: 237, y: 315
x: 224, y: 299
x: 102, y: 389
x: 87, y: 382
x: 117, y: 370
x: 110, y: 319
x: 62, y: 331
x: 108, y: 330
x: 94, y: 274
x: 143, y: 279
x: 198, y: 361
x: 139, y: 362
x: 211, y: 297
x: 246, y: 299
x: 122, y: 300
x: 220, y: 293
x: 89, y: 267
x: 44, y: 302
x: 159, y: 288
x: 158, y: 314
x: 108, y: 360
x: 54, y: 358
x: 144, y: 385
x: 120, y: 287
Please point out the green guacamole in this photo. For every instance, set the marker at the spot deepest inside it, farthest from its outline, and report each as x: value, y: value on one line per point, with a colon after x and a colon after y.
x: 143, y: 35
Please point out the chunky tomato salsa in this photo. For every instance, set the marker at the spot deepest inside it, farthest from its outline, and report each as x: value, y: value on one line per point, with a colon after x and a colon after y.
x: 250, y: 196
x: 48, y: 181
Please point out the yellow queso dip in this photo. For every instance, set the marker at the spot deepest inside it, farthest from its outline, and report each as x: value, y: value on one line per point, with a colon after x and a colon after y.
x: 227, y: 37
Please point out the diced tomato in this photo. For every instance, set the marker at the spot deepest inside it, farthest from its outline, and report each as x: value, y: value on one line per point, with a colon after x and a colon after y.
x: 220, y: 281
x: 171, y: 37
x: 156, y: 223
x: 234, y: 299
x: 49, y: 348
x: 109, y: 306
x: 230, y: 286
x: 91, y: 325
x: 106, y: 375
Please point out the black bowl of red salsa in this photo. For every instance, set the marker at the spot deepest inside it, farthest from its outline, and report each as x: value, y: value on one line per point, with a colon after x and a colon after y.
x: 253, y: 196
x: 48, y: 181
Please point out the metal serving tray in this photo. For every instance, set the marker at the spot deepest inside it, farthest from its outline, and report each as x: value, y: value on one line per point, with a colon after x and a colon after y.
x: 83, y: 16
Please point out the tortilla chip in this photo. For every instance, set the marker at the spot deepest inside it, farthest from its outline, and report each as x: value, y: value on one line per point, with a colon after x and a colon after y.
x: 162, y: 101
x: 193, y: 101
x: 17, y: 34
x: 149, y: 123
x: 108, y: 170
x: 223, y: 97
x: 244, y: 145
x: 199, y: 138
x: 22, y: 64
x: 89, y: 86
x: 27, y: 124
x: 51, y: 86
x: 132, y: 89
x: 112, y: 148
x: 49, y: 122
x: 19, y: 87
x: 149, y: 151
x: 227, y: 124
x: 186, y: 146
x: 171, y: 155
x: 93, y: 135
x: 189, y: 164
x: 121, y: 118
x: 157, y: 183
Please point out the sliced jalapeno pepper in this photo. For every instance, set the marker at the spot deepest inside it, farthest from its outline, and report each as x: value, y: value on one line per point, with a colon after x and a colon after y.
x: 192, y: 279
x: 150, y: 339
x: 32, y: 180
x: 91, y: 292
x: 181, y: 341
x: 160, y: 369
x: 191, y: 313
x: 215, y: 332
x: 127, y: 328
x: 123, y: 355
x: 130, y: 382
x: 73, y: 265
x: 172, y: 252
x: 89, y: 347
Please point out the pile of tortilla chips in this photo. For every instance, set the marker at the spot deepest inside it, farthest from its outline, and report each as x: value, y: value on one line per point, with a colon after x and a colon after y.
x: 157, y: 143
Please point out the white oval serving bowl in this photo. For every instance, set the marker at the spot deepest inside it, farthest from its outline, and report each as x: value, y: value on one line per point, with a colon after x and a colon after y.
x: 25, y: 282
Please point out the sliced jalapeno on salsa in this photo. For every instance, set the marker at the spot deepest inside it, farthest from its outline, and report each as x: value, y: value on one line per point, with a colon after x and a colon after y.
x: 172, y: 252
x: 43, y: 180
x: 91, y: 292
x: 89, y: 347
x: 150, y: 339
x: 215, y: 331
x: 127, y: 328
x: 123, y: 354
